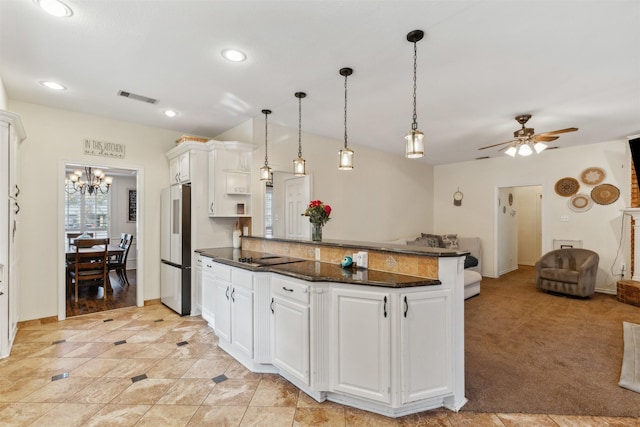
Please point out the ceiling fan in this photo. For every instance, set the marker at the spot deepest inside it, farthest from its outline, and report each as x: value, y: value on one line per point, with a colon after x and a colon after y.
x: 526, y: 140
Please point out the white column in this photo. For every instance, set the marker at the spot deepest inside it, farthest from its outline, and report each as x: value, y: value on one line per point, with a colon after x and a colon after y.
x: 635, y: 214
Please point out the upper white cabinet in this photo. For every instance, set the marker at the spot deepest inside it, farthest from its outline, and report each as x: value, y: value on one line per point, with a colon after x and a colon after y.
x: 11, y: 134
x: 229, y: 178
x: 180, y: 168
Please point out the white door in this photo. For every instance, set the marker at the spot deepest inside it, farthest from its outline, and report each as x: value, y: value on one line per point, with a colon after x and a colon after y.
x: 426, y: 343
x: 290, y: 338
x: 297, y: 197
x: 361, y: 361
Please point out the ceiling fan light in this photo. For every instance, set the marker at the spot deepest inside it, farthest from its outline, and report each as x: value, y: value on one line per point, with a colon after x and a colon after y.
x: 539, y: 147
x: 415, y: 144
x: 525, y: 150
x: 511, y: 151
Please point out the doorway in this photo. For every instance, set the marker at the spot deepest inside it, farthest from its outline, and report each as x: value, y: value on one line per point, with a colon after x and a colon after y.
x: 286, y: 200
x: 118, y: 212
x: 519, y: 227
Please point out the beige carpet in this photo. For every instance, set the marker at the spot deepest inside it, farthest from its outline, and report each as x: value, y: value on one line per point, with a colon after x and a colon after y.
x: 630, y: 372
x: 531, y: 352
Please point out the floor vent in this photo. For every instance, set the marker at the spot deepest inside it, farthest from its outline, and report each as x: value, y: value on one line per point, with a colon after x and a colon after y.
x: 137, y: 97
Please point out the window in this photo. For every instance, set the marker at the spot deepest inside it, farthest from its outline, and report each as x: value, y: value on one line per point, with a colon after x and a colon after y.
x: 87, y: 212
x: 268, y: 210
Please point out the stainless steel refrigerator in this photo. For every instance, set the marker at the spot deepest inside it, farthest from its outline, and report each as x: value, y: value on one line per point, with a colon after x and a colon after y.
x: 175, y: 248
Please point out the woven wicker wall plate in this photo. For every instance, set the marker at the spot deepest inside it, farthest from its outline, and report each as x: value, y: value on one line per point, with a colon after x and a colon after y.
x: 605, y: 194
x: 580, y: 202
x: 593, y: 175
x: 567, y: 187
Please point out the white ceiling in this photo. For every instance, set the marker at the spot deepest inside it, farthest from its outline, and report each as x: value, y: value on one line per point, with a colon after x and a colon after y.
x: 481, y: 63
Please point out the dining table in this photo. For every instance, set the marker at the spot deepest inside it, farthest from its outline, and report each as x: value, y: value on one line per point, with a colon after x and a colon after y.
x: 112, y: 250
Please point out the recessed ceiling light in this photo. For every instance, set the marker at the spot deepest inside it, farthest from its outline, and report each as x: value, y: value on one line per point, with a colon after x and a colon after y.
x: 53, y: 85
x: 55, y: 8
x: 170, y: 113
x: 233, y: 55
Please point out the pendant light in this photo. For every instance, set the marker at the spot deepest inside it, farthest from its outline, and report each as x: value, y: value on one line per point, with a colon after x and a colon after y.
x: 299, y: 168
x: 415, y: 138
x: 346, y: 155
x: 265, y: 171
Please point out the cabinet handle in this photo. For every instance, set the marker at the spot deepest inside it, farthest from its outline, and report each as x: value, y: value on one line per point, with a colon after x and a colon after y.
x: 227, y: 293
x: 287, y: 289
x: 211, y: 207
x: 272, y: 312
x: 406, y: 306
x: 385, y: 306
x: 17, y: 208
x: 17, y: 191
x: 232, y: 293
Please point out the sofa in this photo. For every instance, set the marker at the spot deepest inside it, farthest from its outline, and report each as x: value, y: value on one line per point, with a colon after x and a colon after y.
x: 473, y: 262
x: 569, y: 271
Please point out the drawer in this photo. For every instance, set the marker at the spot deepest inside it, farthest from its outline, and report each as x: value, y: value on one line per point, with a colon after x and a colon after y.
x: 242, y: 278
x: 221, y: 272
x: 290, y: 289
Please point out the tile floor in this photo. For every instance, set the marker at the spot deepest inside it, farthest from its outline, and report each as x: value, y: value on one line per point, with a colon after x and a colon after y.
x: 132, y: 367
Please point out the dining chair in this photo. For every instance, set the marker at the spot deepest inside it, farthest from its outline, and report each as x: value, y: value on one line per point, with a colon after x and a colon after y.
x: 91, y: 265
x: 118, y: 263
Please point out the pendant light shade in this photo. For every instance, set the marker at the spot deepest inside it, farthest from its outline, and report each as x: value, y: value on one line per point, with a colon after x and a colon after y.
x: 415, y: 138
x: 299, y: 168
x: 265, y: 171
x: 345, y: 155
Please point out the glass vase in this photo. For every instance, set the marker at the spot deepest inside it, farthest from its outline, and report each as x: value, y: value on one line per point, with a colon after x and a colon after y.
x: 316, y: 232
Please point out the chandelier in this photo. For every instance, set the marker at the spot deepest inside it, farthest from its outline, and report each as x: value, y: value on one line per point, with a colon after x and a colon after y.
x: 96, y: 181
x: 525, y: 147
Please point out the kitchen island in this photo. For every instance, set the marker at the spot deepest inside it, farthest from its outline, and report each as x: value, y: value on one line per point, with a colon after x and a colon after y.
x: 376, y: 339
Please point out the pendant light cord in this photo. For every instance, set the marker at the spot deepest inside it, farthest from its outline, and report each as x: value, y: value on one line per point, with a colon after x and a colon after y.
x: 266, y: 161
x: 414, y: 126
x: 300, y: 127
x: 345, y: 110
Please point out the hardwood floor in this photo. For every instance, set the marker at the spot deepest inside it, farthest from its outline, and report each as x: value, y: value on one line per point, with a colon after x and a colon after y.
x: 90, y: 300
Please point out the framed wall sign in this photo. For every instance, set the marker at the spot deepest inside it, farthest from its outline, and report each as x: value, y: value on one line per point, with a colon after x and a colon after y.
x: 133, y: 204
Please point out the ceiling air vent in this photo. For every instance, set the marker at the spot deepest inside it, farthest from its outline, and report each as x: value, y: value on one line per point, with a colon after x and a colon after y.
x: 137, y: 97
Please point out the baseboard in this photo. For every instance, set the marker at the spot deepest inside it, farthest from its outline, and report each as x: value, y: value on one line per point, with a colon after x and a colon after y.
x: 606, y: 291
x: 155, y: 301
x: 41, y: 321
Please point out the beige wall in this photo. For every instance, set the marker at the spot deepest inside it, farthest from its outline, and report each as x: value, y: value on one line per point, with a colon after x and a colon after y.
x: 385, y: 196
x: 4, y: 101
x: 598, y: 228
x: 53, y: 138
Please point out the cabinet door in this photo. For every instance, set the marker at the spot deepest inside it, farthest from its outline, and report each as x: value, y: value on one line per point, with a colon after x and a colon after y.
x: 185, y: 167
x: 196, y: 289
x: 290, y: 338
x: 208, y: 294
x: 361, y: 361
x: 242, y: 319
x: 222, y: 309
x: 14, y: 261
x: 212, y: 183
x: 174, y: 170
x: 426, y: 345
x: 14, y: 190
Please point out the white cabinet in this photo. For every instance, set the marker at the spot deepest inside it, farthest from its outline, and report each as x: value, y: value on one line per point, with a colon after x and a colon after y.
x: 179, y: 168
x: 196, y: 289
x: 208, y: 282
x: 361, y: 343
x: 233, y: 308
x: 290, y: 327
x: 426, y: 345
x: 11, y: 134
x: 229, y: 179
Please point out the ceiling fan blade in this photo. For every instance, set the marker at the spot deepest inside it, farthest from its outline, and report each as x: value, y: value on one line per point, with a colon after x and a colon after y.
x: 544, y: 138
x: 556, y: 132
x: 495, y: 145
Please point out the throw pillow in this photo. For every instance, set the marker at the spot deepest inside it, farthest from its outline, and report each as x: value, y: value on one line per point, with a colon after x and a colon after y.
x: 450, y: 241
x: 428, y: 240
x: 470, y: 261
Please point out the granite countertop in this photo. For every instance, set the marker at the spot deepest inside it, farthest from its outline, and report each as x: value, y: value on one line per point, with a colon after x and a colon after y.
x: 372, y: 246
x: 315, y: 271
